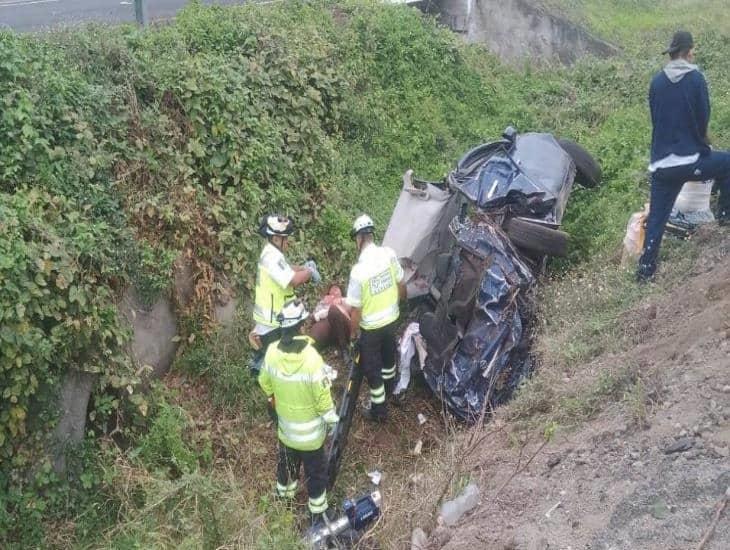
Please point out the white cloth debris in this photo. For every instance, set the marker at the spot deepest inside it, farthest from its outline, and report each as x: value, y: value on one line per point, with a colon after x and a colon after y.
x: 419, y: 446
x: 375, y: 477
x: 410, y: 343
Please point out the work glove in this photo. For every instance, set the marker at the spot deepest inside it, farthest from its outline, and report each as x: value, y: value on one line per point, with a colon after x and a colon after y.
x: 311, y: 265
x: 330, y: 373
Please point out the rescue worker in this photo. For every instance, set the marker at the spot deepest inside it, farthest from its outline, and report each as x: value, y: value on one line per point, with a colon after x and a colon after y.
x: 275, y: 278
x: 375, y: 288
x: 295, y: 378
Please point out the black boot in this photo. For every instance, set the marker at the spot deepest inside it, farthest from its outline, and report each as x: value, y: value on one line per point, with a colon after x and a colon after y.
x: 375, y: 412
x: 645, y: 273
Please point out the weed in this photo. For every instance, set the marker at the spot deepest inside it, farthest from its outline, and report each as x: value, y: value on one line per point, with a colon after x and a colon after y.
x: 163, y: 447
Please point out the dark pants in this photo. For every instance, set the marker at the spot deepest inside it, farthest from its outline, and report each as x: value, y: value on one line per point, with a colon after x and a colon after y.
x: 666, y: 183
x: 315, y: 473
x: 377, y: 359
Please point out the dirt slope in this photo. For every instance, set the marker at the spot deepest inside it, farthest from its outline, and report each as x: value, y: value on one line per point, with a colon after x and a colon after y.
x: 617, y: 484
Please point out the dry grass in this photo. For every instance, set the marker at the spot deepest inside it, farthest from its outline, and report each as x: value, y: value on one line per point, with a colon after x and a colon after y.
x: 599, y: 312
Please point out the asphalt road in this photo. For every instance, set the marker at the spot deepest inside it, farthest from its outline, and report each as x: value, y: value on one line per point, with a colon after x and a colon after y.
x: 37, y: 15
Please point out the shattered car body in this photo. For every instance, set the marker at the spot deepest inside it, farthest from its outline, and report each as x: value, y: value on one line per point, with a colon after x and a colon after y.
x: 470, y: 275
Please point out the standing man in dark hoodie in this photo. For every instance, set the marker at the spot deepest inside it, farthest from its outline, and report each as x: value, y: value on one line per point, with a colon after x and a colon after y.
x: 680, y: 149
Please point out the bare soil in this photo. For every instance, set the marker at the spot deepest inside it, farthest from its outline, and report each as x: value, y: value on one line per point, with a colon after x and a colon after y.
x: 612, y: 482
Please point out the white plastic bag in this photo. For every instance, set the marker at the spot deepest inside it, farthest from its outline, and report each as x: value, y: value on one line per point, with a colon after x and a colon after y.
x: 694, y: 197
x: 635, y: 233
x: 693, y: 203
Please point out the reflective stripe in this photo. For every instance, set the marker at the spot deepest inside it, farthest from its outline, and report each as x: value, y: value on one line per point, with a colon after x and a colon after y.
x: 318, y: 505
x: 320, y: 499
x: 302, y: 438
x: 318, y: 509
x: 378, y: 317
x: 301, y: 426
x: 377, y: 395
x: 330, y: 417
x: 296, y: 377
x: 286, y: 491
x: 387, y: 374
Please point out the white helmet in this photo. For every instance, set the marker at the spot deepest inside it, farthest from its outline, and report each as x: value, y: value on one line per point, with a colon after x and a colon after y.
x: 363, y: 224
x: 273, y: 224
x: 292, y: 313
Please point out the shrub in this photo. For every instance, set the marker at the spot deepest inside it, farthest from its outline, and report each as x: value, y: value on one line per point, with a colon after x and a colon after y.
x: 164, y: 447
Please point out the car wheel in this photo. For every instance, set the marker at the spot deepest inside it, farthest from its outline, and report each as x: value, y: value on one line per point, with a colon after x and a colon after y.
x: 588, y: 172
x: 537, y: 238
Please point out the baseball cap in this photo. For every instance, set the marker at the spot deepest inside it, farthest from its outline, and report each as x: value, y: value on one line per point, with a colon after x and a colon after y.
x: 682, y: 40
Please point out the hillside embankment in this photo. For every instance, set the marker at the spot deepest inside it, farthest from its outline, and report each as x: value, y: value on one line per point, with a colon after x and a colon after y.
x: 644, y: 460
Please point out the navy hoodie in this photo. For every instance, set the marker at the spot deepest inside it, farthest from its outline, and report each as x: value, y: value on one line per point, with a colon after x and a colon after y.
x: 680, y: 111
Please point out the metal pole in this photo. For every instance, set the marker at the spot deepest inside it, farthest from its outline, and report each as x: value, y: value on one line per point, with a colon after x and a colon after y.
x: 140, y: 12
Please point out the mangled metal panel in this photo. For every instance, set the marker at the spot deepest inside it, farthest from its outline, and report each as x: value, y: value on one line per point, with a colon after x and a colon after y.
x: 477, y: 341
x: 534, y: 175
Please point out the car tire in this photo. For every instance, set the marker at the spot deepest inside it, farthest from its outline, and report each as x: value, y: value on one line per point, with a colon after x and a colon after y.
x: 537, y: 238
x: 588, y: 172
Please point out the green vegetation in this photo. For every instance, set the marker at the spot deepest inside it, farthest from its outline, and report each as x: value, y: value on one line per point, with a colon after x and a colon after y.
x: 121, y: 149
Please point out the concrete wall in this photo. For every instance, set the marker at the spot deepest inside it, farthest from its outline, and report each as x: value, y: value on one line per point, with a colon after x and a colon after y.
x: 517, y: 30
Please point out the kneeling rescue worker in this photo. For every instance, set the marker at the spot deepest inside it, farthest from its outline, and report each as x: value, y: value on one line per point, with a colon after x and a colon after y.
x: 275, y: 278
x: 294, y: 377
x: 375, y: 288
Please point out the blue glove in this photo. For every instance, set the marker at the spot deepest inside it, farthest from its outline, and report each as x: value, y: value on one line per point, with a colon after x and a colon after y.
x: 312, y: 267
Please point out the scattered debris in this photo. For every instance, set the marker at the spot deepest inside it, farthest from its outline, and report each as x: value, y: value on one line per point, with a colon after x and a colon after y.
x: 415, y: 479
x: 421, y: 419
x: 554, y: 507
x: 453, y: 510
x: 418, y: 447
x: 440, y: 536
x: 681, y: 445
x: 419, y: 539
x: 375, y: 476
x: 554, y: 461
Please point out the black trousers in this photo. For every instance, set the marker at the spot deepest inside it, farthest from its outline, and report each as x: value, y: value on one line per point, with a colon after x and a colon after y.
x: 315, y: 473
x: 666, y: 184
x: 377, y: 356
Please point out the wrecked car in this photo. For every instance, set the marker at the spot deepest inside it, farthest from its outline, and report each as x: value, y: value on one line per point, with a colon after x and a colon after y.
x: 475, y: 244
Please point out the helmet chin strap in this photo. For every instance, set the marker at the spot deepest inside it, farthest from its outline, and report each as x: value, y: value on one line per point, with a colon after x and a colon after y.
x: 277, y: 241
